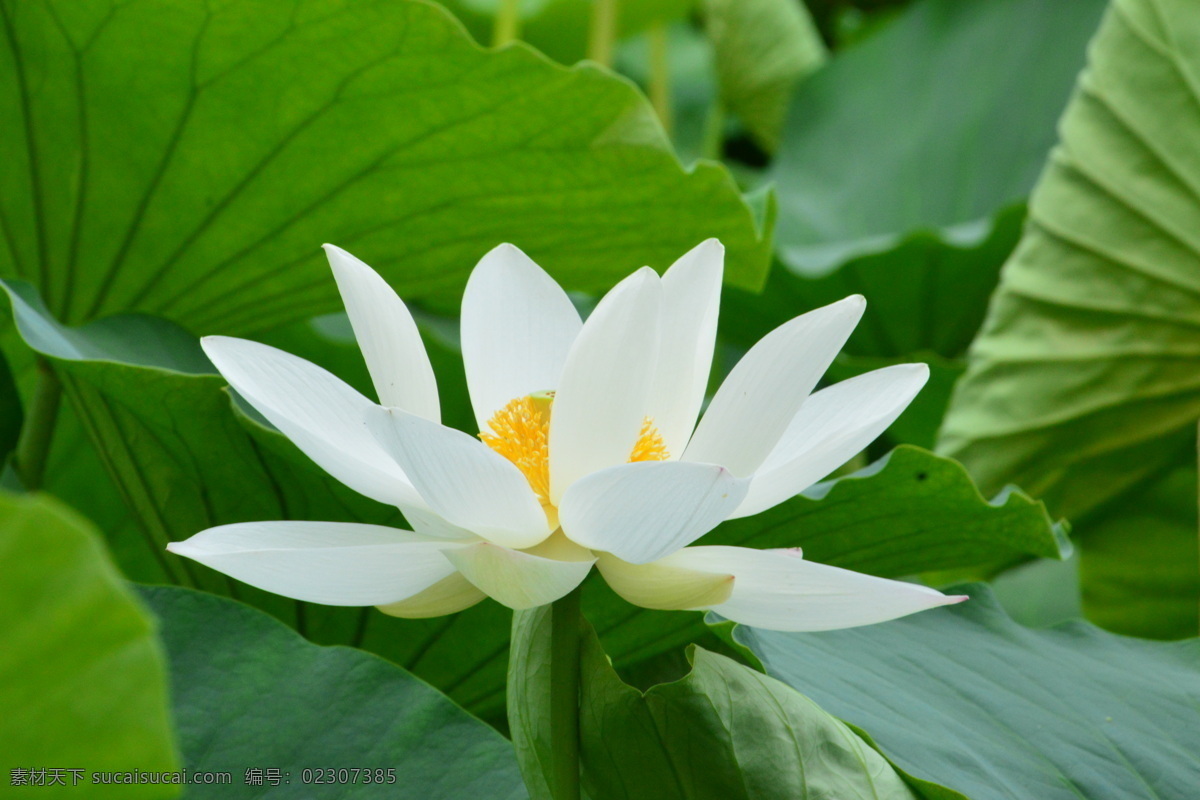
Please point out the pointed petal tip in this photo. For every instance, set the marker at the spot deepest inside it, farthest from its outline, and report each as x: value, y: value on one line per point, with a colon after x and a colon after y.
x: 217, y: 346
x: 338, y: 256
x: 501, y: 253
x: 184, y: 548
x: 645, y: 273
x: 955, y: 599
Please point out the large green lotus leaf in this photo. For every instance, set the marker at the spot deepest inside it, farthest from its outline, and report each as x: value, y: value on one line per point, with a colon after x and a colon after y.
x: 83, y: 679
x: 1139, y: 565
x: 185, y: 459
x: 934, y: 124
x: 188, y: 158
x: 723, y: 731
x: 1083, y: 381
x: 560, y: 28
x: 965, y: 696
x: 763, y: 48
x: 249, y: 693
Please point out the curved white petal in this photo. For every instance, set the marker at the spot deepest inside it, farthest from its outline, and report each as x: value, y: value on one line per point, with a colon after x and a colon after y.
x: 831, y: 427
x: 643, y: 511
x: 764, y: 391
x: 687, y: 336
x: 516, y: 579
x: 779, y: 590
x: 463, y: 480
x: 322, y: 415
x: 601, y: 398
x: 517, y: 327
x: 448, y: 596
x: 334, y: 563
x: 659, y: 585
x: 387, y: 336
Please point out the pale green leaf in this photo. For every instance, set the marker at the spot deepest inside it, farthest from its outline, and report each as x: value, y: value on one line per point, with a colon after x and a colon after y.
x: 83, y: 678
x: 762, y: 48
x: 964, y: 696
x: 1083, y: 381
x: 936, y: 123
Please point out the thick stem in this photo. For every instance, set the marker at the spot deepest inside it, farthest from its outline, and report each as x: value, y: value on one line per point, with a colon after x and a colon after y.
x: 33, y: 445
x: 564, y: 696
x: 660, y: 73
x: 508, y: 23
x: 603, y: 32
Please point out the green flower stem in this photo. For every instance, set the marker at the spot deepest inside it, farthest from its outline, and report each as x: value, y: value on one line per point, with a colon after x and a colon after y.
x: 33, y: 445
x: 507, y: 27
x: 602, y: 34
x: 660, y: 73
x: 714, y: 131
x: 565, y: 634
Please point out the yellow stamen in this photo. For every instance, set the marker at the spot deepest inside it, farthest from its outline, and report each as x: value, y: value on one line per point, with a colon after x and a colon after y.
x: 650, y: 445
x: 521, y: 433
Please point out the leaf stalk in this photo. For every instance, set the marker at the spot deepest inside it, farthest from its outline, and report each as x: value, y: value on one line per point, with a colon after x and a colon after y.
x: 33, y: 445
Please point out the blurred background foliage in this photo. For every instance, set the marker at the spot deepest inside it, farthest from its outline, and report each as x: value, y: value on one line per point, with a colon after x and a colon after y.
x: 1012, y: 184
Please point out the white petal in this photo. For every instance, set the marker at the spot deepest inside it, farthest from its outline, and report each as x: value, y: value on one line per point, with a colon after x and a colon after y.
x: 322, y: 415
x: 764, y: 391
x: 447, y: 596
x: 601, y: 399
x: 517, y: 326
x: 516, y: 579
x: 643, y: 511
x: 425, y: 521
x: 463, y: 480
x: 779, y: 590
x: 831, y: 427
x: 659, y: 585
x: 387, y: 336
x: 334, y: 563
x: 691, y: 300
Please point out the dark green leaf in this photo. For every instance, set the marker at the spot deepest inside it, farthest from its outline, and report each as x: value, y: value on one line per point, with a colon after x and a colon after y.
x: 188, y: 159
x: 964, y: 696
x: 249, y: 693
x: 82, y: 677
x: 922, y: 295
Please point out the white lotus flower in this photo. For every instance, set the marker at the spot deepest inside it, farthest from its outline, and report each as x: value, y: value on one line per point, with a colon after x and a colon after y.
x: 589, y: 455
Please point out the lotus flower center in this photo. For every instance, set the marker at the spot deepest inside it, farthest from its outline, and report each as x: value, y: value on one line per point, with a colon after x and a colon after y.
x: 521, y: 433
